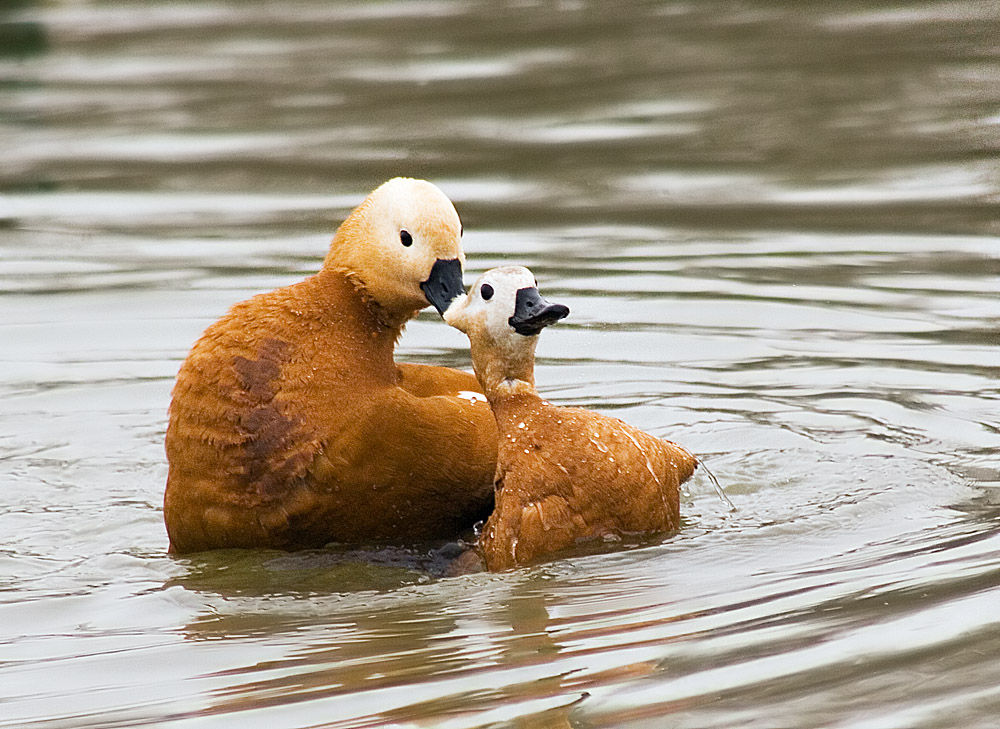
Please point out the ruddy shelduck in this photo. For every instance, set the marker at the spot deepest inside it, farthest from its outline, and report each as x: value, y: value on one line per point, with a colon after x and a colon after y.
x: 564, y: 475
x: 291, y: 425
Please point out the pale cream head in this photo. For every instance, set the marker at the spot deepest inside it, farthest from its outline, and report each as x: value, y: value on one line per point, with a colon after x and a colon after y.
x: 486, y: 310
x: 502, y: 315
x: 392, y: 240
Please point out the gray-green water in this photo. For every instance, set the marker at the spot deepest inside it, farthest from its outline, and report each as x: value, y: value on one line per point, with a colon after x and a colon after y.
x: 776, y: 225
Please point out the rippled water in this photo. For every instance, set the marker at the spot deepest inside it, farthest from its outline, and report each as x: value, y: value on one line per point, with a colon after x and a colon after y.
x: 776, y: 225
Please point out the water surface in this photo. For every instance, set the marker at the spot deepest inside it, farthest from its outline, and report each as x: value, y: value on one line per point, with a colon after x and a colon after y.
x: 775, y: 225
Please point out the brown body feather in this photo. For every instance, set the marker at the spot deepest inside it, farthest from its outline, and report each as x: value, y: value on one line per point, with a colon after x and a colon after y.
x: 565, y: 475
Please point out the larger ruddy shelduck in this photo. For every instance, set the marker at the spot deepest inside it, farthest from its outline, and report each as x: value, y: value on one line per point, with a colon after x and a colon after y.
x: 291, y: 425
x: 563, y: 474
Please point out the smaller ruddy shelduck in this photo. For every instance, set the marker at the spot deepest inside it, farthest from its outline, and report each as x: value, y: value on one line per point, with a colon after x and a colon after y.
x: 564, y: 475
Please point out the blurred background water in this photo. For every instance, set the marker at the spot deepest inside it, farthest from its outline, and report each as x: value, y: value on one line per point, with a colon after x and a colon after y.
x: 775, y: 224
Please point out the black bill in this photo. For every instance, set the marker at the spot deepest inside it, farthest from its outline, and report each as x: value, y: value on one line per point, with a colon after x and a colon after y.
x: 532, y: 313
x: 444, y: 283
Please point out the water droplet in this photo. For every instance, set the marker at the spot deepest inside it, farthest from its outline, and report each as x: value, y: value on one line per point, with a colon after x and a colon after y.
x: 522, y: 426
x: 541, y: 517
x: 600, y: 446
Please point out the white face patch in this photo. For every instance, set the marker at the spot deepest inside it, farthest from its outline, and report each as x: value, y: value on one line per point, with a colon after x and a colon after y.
x: 490, y: 303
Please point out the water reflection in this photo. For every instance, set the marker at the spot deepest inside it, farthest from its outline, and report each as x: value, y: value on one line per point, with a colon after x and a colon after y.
x: 459, y: 665
x: 582, y: 641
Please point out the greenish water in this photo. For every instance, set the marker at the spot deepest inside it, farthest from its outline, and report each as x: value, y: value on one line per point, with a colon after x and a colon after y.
x: 776, y: 226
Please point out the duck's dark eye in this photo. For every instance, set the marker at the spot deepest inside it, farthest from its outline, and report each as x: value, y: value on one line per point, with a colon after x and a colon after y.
x: 405, y: 238
x: 486, y: 291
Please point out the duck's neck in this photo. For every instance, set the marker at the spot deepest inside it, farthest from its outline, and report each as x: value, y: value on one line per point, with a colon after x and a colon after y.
x: 346, y: 288
x: 508, y: 377
x: 364, y: 325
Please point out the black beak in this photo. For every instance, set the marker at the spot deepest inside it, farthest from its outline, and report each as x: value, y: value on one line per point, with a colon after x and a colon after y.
x: 532, y: 313
x: 444, y: 283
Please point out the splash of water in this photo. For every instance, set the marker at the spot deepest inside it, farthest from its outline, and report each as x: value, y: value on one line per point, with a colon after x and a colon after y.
x: 718, y: 487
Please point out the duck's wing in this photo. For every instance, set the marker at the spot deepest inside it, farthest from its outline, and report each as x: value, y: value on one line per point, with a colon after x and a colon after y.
x: 237, y: 442
x: 424, y: 465
x: 428, y: 380
x: 581, y: 475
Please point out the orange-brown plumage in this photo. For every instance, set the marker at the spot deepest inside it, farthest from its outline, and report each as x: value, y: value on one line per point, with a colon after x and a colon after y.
x: 563, y: 474
x: 291, y: 425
